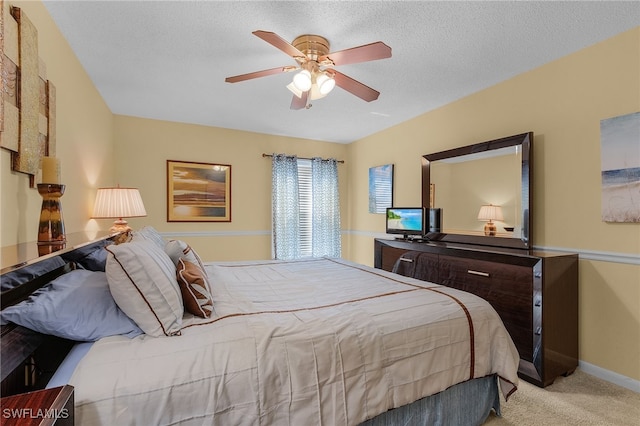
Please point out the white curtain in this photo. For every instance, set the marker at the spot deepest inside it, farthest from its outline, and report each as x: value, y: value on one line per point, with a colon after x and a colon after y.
x: 285, y: 207
x: 325, y: 214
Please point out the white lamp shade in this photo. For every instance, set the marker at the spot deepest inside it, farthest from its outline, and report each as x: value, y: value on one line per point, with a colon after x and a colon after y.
x: 302, y: 80
x: 118, y: 203
x: 314, y: 93
x: 490, y: 212
x: 292, y: 87
x: 325, y: 83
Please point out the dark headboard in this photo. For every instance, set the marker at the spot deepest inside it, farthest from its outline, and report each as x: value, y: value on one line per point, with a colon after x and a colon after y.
x: 29, y: 359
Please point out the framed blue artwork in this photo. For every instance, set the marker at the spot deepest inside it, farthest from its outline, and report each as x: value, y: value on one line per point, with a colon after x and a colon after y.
x: 380, y: 188
x: 620, y: 142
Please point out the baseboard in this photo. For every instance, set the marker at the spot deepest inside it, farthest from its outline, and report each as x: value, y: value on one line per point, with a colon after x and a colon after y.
x: 610, y: 376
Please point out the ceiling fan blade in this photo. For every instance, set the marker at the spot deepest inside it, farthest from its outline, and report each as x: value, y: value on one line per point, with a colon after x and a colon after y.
x: 355, y: 87
x: 257, y: 74
x: 367, y: 52
x: 299, y: 102
x: 277, y: 41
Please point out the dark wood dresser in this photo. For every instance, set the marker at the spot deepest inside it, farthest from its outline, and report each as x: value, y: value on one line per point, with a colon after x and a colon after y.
x: 535, y: 293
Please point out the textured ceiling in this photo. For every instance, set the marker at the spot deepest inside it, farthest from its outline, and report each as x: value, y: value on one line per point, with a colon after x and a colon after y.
x: 167, y: 60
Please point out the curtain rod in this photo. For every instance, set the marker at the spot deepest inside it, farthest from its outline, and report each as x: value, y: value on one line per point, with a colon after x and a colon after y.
x: 302, y: 158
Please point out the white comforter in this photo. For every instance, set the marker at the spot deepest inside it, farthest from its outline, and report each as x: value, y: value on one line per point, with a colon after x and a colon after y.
x: 322, y: 341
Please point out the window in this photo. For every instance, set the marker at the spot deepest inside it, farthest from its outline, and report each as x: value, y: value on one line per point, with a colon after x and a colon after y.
x: 306, y: 208
x: 305, y: 200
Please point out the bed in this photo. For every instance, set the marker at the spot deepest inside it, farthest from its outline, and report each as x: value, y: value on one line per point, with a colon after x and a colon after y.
x: 315, y: 341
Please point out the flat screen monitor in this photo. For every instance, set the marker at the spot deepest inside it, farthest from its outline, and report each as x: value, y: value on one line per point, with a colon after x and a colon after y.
x: 406, y: 221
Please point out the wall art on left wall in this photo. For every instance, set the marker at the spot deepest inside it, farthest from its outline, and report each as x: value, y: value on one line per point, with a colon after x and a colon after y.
x: 198, y: 192
x: 28, y: 98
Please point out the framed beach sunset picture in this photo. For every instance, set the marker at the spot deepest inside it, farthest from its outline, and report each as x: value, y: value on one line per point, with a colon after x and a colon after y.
x: 198, y: 192
x: 620, y: 139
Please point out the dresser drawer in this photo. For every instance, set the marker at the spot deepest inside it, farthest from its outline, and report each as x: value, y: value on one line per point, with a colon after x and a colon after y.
x: 389, y: 257
x: 508, y: 288
x: 415, y: 264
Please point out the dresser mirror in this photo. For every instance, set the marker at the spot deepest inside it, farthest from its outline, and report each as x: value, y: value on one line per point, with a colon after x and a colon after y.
x: 480, y: 194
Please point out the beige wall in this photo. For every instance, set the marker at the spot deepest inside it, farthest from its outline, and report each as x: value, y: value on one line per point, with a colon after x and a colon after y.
x: 144, y: 146
x: 562, y: 103
x: 84, y: 141
x: 495, y: 180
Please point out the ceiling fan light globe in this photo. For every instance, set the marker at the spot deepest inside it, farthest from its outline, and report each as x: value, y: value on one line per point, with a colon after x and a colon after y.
x: 302, y: 80
x: 325, y: 83
x: 314, y: 93
x: 292, y: 87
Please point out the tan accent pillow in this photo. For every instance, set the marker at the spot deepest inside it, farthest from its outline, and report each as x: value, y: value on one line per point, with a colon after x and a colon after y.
x: 177, y: 249
x: 193, y: 286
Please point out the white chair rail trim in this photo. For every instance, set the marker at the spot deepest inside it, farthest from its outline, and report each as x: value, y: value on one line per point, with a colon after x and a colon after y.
x: 602, y: 256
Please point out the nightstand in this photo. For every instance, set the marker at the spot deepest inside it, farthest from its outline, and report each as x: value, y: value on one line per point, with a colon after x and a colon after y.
x: 43, y: 407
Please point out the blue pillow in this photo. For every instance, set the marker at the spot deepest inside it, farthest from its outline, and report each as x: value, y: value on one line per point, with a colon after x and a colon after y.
x: 95, y: 261
x: 76, y: 306
x: 92, y: 257
x: 22, y: 275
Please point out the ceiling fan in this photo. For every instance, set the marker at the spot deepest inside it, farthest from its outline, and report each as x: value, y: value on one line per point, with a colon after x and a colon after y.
x: 316, y: 76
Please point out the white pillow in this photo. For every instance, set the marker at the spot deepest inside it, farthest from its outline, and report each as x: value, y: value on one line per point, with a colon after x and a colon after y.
x: 177, y: 249
x: 149, y: 233
x: 142, y: 280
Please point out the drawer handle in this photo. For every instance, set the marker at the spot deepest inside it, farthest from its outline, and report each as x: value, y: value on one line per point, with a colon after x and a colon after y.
x: 404, y: 259
x: 482, y: 274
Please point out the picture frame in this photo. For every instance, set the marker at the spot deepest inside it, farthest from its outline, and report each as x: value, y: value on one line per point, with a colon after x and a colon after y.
x: 380, y: 188
x: 198, y: 192
x: 620, y: 168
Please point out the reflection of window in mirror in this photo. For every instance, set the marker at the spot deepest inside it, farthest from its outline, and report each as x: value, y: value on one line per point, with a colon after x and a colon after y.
x: 432, y: 195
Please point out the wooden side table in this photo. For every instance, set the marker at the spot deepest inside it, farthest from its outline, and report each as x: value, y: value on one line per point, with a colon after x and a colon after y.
x: 43, y: 408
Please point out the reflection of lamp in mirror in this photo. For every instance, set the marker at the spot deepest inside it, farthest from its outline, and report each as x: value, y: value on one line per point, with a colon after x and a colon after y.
x: 490, y: 213
x: 118, y: 203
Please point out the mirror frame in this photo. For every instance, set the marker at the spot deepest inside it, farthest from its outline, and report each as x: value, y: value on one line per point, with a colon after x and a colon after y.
x: 524, y: 242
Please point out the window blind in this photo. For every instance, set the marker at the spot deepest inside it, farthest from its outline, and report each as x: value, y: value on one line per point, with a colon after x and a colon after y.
x: 305, y: 202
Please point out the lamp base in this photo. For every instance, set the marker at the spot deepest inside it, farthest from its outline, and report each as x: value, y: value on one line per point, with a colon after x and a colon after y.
x: 490, y: 229
x: 119, y: 226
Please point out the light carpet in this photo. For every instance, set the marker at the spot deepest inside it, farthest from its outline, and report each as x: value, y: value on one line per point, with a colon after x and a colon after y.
x: 579, y: 399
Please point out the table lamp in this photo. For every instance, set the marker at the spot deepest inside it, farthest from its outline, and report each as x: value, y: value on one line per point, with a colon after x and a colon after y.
x: 490, y: 213
x: 118, y: 203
